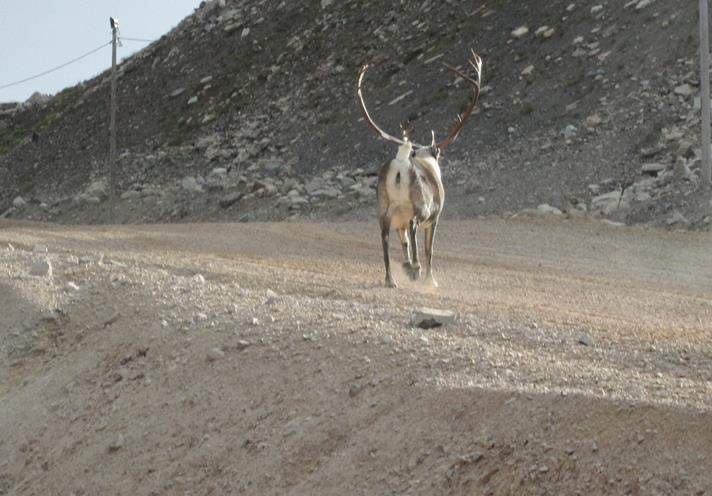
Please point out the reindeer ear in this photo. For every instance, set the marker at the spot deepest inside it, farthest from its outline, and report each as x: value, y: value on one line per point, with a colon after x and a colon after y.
x: 407, y: 129
x: 434, y: 148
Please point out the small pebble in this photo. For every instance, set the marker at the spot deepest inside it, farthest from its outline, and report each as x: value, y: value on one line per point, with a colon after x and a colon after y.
x: 117, y: 443
x: 215, y: 354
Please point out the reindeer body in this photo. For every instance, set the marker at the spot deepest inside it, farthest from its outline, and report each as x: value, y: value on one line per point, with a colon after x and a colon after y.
x: 410, y: 195
x: 410, y: 188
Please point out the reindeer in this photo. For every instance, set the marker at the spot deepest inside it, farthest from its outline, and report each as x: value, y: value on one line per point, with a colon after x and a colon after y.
x: 410, y: 189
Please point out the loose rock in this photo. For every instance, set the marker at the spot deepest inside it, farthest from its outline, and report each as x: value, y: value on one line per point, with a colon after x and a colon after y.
x: 42, y: 268
x: 117, y: 443
x: 427, y: 318
x: 520, y: 32
x: 214, y: 354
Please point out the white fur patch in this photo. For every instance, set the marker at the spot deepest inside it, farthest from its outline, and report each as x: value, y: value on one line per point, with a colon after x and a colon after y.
x: 428, y: 162
x: 398, y: 186
x: 404, y: 151
x: 398, y: 181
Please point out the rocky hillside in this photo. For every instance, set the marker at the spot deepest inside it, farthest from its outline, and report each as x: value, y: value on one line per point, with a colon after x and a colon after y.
x: 246, y: 111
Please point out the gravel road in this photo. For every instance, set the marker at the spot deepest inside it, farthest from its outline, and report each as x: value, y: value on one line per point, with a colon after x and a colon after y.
x: 270, y: 359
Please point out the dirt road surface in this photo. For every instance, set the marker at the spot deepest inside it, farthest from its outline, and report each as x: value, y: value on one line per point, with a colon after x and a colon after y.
x: 269, y: 359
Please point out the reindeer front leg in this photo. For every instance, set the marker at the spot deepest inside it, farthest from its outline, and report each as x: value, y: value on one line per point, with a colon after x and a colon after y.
x: 385, y: 235
x: 403, y: 236
x: 429, y: 238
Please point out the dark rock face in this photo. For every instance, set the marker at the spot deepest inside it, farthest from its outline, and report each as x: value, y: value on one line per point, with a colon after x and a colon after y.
x: 575, y: 101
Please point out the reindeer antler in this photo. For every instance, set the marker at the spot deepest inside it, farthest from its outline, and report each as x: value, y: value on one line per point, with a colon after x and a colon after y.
x: 405, y: 127
x: 476, y: 62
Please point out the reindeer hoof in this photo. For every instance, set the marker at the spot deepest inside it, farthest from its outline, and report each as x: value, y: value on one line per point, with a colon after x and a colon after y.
x: 432, y: 282
x: 390, y: 283
x: 413, y: 271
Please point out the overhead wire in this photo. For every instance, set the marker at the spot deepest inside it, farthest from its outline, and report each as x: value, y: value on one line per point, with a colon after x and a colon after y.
x: 76, y: 59
x: 15, y: 83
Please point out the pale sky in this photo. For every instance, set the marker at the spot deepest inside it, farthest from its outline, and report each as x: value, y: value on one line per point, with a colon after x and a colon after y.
x: 37, y: 35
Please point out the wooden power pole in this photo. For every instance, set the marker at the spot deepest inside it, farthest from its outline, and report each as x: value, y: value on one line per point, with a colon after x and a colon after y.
x: 112, y: 125
x: 705, y: 93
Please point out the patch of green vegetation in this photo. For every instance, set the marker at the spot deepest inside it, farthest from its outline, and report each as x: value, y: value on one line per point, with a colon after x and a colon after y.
x: 12, y: 137
x: 65, y: 95
x: 48, y: 120
x: 9, y: 140
x: 439, y: 44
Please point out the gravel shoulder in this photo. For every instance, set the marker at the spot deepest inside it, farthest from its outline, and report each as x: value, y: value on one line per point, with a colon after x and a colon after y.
x: 269, y: 359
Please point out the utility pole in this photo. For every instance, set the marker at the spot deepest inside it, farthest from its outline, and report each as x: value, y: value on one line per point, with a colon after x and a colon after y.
x: 112, y: 125
x: 705, y: 93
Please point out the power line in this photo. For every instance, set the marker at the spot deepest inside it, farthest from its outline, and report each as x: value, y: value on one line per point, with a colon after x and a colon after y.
x: 55, y: 68
x: 141, y: 40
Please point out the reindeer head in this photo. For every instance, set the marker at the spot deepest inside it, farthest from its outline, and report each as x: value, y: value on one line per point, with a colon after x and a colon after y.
x: 436, y: 147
